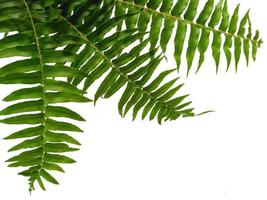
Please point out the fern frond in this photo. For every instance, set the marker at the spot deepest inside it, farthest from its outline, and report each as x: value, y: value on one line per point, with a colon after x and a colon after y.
x: 101, y: 52
x: 33, y: 25
x: 214, y: 19
x: 102, y: 55
x: 64, y: 44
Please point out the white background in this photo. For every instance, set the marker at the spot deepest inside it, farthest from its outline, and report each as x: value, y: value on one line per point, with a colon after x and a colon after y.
x: 218, y: 156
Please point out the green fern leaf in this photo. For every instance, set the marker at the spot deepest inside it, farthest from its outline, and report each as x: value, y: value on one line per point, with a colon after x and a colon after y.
x: 104, y: 56
x: 39, y: 51
x: 212, y: 19
x: 64, y: 44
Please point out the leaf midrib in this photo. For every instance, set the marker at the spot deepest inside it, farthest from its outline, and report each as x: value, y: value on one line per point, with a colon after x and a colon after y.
x: 185, y: 21
x: 37, y: 43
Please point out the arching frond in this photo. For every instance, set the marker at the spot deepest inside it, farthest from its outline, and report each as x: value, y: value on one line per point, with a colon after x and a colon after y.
x: 161, y: 17
x: 33, y: 26
x: 94, y: 19
x: 132, y: 70
x: 62, y: 45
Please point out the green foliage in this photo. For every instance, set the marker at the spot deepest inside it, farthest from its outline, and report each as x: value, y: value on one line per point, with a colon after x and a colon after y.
x: 62, y: 45
x: 42, y: 145
x: 214, y: 19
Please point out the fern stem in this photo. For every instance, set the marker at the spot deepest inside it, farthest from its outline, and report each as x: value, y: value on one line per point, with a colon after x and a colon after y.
x: 112, y: 65
x: 182, y: 20
x: 37, y: 43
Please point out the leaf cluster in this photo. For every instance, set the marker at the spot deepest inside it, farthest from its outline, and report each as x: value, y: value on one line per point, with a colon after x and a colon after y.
x: 64, y: 46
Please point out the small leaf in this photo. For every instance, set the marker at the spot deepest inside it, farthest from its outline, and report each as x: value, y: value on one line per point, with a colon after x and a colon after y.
x: 61, y: 126
x: 59, y: 111
x: 22, y: 107
x: 60, y: 137
x: 24, y: 119
x: 55, y: 158
x: 26, y: 93
x: 58, y: 148
x: 32, y: 143
x: 48, y: 177
x: 28, y: 132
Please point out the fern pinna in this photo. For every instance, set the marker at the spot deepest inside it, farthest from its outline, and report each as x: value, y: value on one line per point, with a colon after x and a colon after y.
x: 65, y: 44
